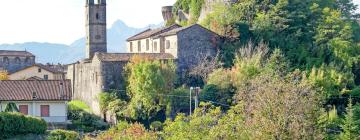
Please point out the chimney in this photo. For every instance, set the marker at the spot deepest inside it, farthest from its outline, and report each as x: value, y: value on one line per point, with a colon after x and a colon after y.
x: 167, y: 13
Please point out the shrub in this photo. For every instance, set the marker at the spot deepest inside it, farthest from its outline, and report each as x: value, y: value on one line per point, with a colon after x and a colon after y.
x: 156, y: 126
x: 12, y: 124
x: 63, y: 135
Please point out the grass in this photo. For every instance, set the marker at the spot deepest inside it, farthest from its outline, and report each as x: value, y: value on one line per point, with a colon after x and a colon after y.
x: 79, y: 105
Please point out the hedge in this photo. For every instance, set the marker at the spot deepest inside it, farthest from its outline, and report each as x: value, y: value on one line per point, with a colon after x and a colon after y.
x: 63, y: 135
x: 12, y: 124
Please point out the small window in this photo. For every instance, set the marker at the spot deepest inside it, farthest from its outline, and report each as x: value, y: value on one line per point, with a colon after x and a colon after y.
x: 45, y: 110
x: 147, y: 45
x: 17, y: 60
x: 97, y: 16
x: 6, y: 60
x: 139, y: 46
x: 46, y: 77
x: 131, y: 47
x: 155, y: 46
x: 24, y: 109
x: 167, y: 44
x: 27, y: 60
x: 39, y: 70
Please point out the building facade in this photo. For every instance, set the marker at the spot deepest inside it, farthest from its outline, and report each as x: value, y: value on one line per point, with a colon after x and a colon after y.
x: 45, y: 99
x: 38, y: 72
x: 189, y: 45
x: 12, y: 61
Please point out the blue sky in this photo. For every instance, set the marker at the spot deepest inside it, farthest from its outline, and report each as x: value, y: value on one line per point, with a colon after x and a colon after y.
x: 62, y: 21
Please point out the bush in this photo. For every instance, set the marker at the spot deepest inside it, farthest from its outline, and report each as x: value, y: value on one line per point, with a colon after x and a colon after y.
x: 156, y: 126
x: 63, y: 135
x: 12, y: 124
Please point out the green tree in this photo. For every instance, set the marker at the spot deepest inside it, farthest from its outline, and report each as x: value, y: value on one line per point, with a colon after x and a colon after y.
x: 349, y: 127
x: 11, y: 107
x: 148, y: 80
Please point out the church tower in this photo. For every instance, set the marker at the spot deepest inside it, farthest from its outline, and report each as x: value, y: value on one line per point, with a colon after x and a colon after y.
x: 95, y: 27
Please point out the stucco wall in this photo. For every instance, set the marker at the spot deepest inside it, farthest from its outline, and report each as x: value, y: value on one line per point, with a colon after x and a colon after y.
x: 143, y: 46
x: 34, y: 71
x: 57, y: 111
x: 173, y: 45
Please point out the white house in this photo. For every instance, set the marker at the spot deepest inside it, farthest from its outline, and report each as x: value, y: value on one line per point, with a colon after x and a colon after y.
x: 40, y: 98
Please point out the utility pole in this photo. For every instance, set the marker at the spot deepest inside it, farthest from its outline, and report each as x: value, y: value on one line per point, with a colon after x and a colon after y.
x: 191, y: 88
x: 197, y: 91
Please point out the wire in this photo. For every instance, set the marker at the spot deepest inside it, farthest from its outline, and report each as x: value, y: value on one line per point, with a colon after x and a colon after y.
x: 216, y: 102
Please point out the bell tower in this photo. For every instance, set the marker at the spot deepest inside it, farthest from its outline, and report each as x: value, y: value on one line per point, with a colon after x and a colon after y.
x: 96, y: 40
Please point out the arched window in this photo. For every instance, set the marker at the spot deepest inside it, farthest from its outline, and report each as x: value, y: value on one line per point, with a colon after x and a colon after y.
x: 27, y: 60
x: 147, y: 44
x: 17, y: 60
x: 6, y: 60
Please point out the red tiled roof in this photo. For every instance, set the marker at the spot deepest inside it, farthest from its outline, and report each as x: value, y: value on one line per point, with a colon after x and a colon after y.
x: 43, y: 90
x: 152, y: 32
x: 112, y: 57
x: 15, y: 53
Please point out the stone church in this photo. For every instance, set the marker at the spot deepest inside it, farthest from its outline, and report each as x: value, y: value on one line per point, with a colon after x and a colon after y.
x: 12, y: 61
x: 101, y: 71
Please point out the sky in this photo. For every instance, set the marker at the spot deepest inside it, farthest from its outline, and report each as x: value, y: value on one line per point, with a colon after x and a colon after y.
x: 62, y: 21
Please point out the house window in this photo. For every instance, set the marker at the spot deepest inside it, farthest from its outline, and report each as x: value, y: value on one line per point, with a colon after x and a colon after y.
x: 45, y: 110
x: 155, y: 46
x: 46, y: 77
x: 39, y: 70
x: 167, y: 44
x: 147, y: 45
x: 131, y: 47
x: 27, y: 60
x: 139, y: 46
x: 17, y: 60
x: 6, y: 60
x: 24, y: 109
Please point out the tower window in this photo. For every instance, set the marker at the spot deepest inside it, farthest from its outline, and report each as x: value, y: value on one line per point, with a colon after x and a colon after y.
x: 97, y: 37
x: 97, y: 16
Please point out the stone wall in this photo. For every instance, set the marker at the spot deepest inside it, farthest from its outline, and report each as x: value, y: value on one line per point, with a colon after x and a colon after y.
x: 87, y: 83
x: 15, y: 63
x: 194, y: 44
x: 89, y: 79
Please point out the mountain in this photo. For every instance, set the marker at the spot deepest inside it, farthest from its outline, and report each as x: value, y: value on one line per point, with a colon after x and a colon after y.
x: 65, y: 54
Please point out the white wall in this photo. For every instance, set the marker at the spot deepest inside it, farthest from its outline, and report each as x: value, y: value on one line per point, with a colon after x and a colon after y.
x: 58, y: 109
x: 173, y: 45
x: 143, y: 46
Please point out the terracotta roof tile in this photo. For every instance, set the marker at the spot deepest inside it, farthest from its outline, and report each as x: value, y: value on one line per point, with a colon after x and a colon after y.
x: 112, y: 57
x: 45, y: 90
x: 15, y: 53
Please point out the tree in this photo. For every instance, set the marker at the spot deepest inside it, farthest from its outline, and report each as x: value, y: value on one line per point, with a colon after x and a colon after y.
x: 11, y: 107
x: 148, y: 80
x: 349, y: 127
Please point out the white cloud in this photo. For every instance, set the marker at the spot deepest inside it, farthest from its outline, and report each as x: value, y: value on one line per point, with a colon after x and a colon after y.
x: 62, y: 21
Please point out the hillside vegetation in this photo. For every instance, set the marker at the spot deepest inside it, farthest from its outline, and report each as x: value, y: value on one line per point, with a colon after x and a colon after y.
x: 287, y: 69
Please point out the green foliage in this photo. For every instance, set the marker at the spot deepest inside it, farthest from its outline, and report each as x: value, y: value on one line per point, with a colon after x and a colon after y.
x: 148, y: 79
x: 12, y: 124
x: 11, y: 107
x: 124, y: 130
x: 105, y: 99
x: 63, y: 135
x: 349, y: 127
x: 156, y: 126
x: 195, y: 10
x: 183, y: 5
x: 177, y: 105
x: 83, y: 119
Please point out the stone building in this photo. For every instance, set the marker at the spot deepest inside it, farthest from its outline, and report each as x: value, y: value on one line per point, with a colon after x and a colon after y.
x: 12, y: 61
x: 188, y: 45
x: 101, y: 71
